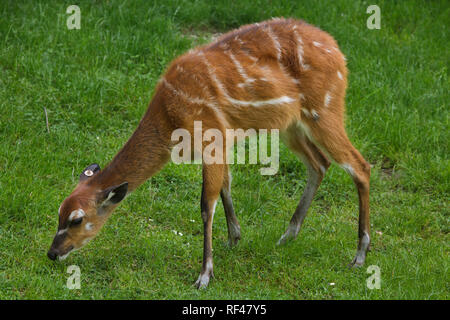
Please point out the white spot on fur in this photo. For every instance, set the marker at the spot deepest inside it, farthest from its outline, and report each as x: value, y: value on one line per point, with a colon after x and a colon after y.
x: 340, y: 75
x: 348, y: 168
x: 238, y: 40
x: 62, y: 231
x: 327, y: 99
x: 315, y: 115
x: 302, y: 96
x: 306, y: 112
x: 89, y: 226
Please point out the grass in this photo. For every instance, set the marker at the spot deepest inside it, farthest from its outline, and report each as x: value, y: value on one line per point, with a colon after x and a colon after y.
x: 95, y: 84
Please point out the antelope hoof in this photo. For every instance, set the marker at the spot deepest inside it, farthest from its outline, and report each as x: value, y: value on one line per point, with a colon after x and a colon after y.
x: 234, y: 235
x: 357, y: 262
x: 203, y: 280
x: 290, y: 234
x: 233, y: 242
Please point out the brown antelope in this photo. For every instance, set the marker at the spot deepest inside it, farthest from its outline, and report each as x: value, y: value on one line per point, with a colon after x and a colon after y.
x: 280, y: 74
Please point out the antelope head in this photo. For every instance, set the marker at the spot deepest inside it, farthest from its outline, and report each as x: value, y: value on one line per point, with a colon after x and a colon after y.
x: 84, y: 212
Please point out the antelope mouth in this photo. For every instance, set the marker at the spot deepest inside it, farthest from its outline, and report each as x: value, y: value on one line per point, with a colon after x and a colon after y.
x: 65, y: 255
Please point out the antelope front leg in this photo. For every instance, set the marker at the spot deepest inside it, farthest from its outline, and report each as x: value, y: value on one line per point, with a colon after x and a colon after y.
x: 212, y: 183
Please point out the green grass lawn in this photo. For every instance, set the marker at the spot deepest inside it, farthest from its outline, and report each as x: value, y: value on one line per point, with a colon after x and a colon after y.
x: 95, y: 84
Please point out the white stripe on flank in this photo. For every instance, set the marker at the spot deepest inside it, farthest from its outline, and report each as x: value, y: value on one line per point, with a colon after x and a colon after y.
x: 275, y: 41
x: 277, y: 46
x: 268, y: 72
x: 240, y: 69
x: 320, y: 45
x: 186, y: 96
x: 300, y: 51
x: 275, y: 101
x: 200, y: 101
x: 281, y: 100
x: 213, y: 76
x: 249, y: 56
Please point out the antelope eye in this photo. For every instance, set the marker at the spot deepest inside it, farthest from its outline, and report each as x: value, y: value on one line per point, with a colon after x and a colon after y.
x: 76, y: 221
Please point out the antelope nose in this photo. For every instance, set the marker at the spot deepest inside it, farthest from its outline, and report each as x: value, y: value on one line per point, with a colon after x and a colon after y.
x: 51, y: 255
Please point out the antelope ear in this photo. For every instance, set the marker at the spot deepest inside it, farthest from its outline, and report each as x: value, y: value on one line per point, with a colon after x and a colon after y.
x: 89, y: 171
x: 113, y: 195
